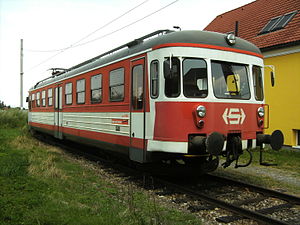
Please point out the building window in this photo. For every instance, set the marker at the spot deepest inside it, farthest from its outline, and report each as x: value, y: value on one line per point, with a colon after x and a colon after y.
x: 68, y: 93
x: 50, y: 97
x: 172, y: 79
x: 96, y: 88
x: 44, y: 98
x: 154, y: 74
x: 297, y: 138
x: 116, y: 85
x: 278, y: 23
x: 194, y: 78
x: 80, y: 91
x: 38, y: 99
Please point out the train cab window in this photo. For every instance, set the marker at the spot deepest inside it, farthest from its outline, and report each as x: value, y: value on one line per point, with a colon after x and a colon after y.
x: 230, y: 80
x: 50, y: 97
x: 154, y: 76
x: 68, y: 94
x: 80, y: 91
x: 172, y: 77
x: 194, y: 78
x: 38, y: 99
x: 137, y: 87
x: 44, y: 98
x: 258, y: 83
x: 96, y: 88
x: 116, y: 85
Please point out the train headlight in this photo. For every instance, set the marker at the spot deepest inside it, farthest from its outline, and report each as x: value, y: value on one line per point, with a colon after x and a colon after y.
x: 261, y: 112
x: 201, y: 111
x: 230, y: 39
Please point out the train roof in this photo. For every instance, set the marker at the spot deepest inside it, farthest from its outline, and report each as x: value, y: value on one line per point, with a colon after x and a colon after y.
x: 148, y: 42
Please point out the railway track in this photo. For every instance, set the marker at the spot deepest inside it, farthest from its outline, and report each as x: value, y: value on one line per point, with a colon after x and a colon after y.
x: 210, y: 192
x: 237, y: 206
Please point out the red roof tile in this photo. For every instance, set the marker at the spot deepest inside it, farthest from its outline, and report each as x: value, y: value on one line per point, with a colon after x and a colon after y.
x: 254, y: 16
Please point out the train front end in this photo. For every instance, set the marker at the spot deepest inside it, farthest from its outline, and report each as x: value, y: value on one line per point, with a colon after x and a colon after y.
x: 209, y: 101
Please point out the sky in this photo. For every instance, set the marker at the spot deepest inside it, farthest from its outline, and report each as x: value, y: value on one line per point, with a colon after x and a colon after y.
x: 63, y: 33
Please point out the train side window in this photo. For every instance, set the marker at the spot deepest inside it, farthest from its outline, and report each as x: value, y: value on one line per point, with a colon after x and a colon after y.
x: 32, y: 100
x: 80, y: 91
x: 96, y: 88
x: 172, y: 77
x: 116, y: 85
x: 68, y: 94
x: 137, y: 87
x: 43, y: 98
x: 258, y: 83
x: 50, y: 97
x: 194, y: 78
x: 154, y: 76
x: 38, y: 99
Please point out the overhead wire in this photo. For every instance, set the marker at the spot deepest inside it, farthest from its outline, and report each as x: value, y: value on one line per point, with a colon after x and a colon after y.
x: 88, y: 35
x: 128, y: 25
x: 103, y: 36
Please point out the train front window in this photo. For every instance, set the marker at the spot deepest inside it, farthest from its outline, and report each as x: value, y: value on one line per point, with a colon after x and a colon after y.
x: 230, y: 80
x: 172, y: 77
x: 194, y: 78
x: 258, y: 83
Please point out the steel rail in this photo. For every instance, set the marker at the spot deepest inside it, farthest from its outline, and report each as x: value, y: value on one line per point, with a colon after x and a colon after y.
x: 230, y: 207
x: 287, y: 197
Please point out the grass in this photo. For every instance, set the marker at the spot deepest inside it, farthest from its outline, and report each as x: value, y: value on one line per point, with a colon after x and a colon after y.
x: 41, y: 184
x: 286, y: 159
x: 284, y: 176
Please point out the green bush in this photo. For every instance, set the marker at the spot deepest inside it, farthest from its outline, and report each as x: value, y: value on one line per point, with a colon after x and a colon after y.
x: 13, y: 118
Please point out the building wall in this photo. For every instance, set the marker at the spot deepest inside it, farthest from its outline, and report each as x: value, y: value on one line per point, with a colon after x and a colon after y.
x: 284, y: 97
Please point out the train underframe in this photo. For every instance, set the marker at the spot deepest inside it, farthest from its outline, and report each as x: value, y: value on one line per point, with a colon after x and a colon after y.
x: 204, y: 153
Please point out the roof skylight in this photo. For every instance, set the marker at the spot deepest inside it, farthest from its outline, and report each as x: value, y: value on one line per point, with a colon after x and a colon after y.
x: 278, y: 23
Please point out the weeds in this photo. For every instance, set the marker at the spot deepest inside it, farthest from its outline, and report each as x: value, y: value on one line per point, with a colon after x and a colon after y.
x: 13, y: 118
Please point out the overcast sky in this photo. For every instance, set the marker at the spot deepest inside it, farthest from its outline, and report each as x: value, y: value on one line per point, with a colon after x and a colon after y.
x: 47, y: 25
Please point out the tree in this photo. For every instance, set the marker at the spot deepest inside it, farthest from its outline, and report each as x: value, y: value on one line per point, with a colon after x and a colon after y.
x: 2, y: 105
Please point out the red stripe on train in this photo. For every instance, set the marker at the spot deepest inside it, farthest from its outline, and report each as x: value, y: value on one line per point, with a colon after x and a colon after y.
x: 207, y: 46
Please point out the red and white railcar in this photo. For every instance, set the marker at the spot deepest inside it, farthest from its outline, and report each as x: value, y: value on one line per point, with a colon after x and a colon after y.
x: 188, y: 95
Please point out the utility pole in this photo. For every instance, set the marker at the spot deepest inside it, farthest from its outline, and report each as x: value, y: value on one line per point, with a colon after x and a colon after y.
x: 21, y: 75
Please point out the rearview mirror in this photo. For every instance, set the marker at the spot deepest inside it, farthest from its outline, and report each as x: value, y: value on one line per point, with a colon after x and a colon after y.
x: 272, y: 79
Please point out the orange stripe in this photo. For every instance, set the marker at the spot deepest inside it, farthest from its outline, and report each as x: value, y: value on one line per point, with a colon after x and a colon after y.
x: 206, y: 46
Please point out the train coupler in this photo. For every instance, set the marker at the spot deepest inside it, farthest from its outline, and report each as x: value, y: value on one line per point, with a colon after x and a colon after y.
x: 233, y: 152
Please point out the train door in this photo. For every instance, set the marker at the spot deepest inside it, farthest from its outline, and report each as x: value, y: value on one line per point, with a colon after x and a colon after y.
x: 58, y: 112
x: 137, y: 111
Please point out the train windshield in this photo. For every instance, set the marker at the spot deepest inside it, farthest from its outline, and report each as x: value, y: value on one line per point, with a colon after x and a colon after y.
x: 194, y: 78
x: 230, y: 80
